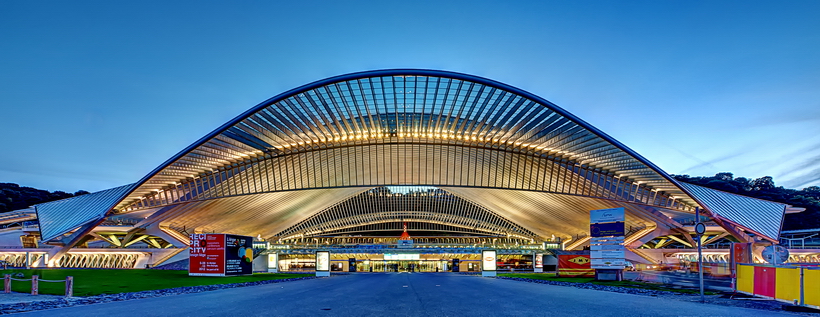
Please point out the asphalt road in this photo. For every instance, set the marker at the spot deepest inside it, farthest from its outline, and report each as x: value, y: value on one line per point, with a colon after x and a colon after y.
x: 404, y: 294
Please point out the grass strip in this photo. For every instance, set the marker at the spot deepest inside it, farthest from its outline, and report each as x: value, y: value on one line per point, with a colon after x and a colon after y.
x: 591, y: 280
x: 89, y: 282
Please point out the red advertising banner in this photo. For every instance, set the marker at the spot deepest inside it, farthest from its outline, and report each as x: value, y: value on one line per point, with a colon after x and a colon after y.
x: 216, y: 254
x: 574, y: 265
x: 207, y: 255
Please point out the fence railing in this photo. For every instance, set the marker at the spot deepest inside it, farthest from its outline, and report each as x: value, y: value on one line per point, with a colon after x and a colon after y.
x: 798, y: 285
x: 35, y: 284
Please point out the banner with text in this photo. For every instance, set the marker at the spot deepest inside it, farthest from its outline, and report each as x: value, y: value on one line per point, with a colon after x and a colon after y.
x: 216, y: 254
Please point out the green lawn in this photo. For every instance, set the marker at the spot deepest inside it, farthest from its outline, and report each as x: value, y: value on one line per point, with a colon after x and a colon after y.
x: 89, y: 282
x: 631, y: 284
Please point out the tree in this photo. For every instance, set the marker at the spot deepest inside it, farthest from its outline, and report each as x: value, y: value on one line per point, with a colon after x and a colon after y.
x: 763, y: 183
x: 764, y: 188
x: 15, y: 197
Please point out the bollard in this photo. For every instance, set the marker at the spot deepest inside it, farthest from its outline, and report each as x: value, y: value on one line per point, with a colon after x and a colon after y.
x: 7, y: 284
x: 69, y: 286
x: 35, y: 281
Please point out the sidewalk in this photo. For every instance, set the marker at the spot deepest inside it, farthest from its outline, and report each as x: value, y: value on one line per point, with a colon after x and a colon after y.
x: 17, y: 298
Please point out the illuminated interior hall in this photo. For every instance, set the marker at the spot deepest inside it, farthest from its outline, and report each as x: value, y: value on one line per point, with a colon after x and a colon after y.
x: 350, y: 163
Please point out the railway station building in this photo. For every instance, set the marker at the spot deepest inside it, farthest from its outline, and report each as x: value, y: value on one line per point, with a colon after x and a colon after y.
x: 362, y: 163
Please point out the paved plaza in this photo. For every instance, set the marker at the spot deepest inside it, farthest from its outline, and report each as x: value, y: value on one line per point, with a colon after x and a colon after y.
x: 405, y: 294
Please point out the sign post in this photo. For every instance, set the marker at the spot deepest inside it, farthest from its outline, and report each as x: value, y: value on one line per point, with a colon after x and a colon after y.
x: 700, y: 228
x: 607, y: 253
x: 218, y: 254
x: 488, y: 263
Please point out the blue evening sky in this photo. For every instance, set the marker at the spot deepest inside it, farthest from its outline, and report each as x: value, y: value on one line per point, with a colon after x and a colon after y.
x: 97, y: 94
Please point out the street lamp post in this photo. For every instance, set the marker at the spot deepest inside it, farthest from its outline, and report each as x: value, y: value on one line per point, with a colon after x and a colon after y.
x: 700, y: 228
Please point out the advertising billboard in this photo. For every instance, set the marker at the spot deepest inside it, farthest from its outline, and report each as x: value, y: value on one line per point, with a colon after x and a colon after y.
x: 217, y: 254
x: 323, y: 261
x: 207, y: 255
x: 273, y: 262
x: 238, y: 255
x: 573, y: 265
x: 488, y: 260
x: 539, y: 260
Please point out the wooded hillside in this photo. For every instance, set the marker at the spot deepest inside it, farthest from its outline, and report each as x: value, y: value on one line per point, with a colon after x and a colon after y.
x: 764, y: 188
x: 14, y: 197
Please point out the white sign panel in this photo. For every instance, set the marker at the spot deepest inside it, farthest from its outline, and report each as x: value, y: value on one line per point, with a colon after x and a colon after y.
x: 607, y: 264
x: 607, y: 240
x: 539, y: 260
x: 402, y: 256
x: 606, y: 215
x: 488, y: 259
x: 322, y: 261
x: 609, y: 254
x: 601, y: 247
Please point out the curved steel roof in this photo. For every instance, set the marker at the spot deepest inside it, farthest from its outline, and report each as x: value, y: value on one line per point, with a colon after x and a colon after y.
x: 411, y: 106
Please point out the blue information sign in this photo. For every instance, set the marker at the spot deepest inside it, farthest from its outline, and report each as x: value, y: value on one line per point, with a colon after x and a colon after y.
x: 606, y: 229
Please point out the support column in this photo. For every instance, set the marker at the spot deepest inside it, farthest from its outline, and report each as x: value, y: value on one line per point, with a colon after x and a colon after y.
x: 56, y: 253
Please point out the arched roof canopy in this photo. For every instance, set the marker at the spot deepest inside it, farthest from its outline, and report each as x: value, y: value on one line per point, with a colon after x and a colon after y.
x: 387, y: 116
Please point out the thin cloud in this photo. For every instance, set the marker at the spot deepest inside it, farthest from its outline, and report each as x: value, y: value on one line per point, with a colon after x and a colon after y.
x: 808, y: 179
x: 789, y: 117
x: 710, y: 163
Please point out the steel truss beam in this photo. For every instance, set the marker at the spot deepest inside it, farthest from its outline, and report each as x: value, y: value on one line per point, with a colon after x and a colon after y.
x: 385, y: 164
x: 406, y: 203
